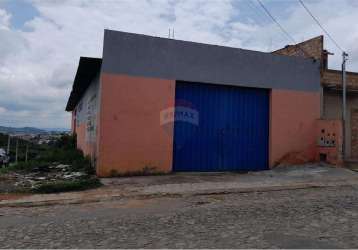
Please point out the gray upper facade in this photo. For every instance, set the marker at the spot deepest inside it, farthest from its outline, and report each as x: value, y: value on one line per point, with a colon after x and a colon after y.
x: 146, y: 56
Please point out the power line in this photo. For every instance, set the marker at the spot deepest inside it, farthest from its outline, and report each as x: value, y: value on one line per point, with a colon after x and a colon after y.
x: 281, y: 27
x: 274, y: 19
x: 255, y: 10
x: 261, y: 15
x: 319, y: 24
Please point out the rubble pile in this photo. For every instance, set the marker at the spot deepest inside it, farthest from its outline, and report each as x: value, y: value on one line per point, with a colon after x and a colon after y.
x: 22, y: 180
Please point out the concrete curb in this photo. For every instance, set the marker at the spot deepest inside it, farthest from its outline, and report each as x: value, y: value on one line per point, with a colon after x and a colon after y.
x: 114, y: 197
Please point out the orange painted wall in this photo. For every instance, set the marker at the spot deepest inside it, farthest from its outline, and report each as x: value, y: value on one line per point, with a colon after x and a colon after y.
x: 88, y: 148
x: 81, y: 138
x: 131, y: 138
x: 293, y: 126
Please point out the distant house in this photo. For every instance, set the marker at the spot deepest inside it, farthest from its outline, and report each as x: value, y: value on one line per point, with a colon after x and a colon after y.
x: 3, y: 157
x: 2, y: 152
x: 160, y: 105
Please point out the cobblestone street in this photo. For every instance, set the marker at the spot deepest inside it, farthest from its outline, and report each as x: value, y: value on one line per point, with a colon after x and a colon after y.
x: 304, y: 218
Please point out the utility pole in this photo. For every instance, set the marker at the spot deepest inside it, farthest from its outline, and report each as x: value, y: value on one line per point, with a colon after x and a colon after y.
x: 8, y: 145
x: 344, y: 103
x: 16, y: 151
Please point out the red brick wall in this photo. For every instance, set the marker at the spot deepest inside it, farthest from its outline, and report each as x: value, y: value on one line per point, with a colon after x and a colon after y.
x: 312, y: 48
x: 334, y: 78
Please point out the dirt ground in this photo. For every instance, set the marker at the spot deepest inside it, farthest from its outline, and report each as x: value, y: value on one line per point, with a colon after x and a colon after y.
x: 186, y: 184
x: 12, y: 196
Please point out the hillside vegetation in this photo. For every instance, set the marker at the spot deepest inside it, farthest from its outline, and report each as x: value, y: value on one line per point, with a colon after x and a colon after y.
x: 34, y: 149
x: 58, y: 167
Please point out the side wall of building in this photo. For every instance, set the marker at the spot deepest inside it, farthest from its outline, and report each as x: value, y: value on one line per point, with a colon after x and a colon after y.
x: 138, y: 78
x: 86, y: 119
x: 132, y: 140
x: 73, y: 122
x: 293, y: 116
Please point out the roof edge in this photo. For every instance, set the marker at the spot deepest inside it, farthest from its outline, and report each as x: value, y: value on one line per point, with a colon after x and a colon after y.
x: 88, y: 68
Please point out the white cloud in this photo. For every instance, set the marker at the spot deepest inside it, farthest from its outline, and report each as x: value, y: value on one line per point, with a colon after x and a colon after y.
x: 4, y: 20
x: 37, y: 66
x: 339, y: 18
x: 37, y: 74
x: 2, y: 110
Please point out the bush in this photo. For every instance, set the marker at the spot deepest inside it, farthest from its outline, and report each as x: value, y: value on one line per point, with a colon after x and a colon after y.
x: 66, y: 186
x: 67, y: 142
x: 26, y: 166
x: 65, y: 156
x: 63, y: 151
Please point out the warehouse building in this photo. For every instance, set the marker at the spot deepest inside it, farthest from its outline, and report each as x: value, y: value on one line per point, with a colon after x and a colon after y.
x: 160, y: 105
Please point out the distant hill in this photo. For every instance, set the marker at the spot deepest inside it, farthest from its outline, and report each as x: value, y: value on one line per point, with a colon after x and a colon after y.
x: 56, y: 129
x: 31, y: 130
x: 26, y: 130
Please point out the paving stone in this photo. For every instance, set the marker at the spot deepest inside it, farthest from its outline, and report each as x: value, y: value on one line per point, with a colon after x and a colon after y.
x: 308, y: 218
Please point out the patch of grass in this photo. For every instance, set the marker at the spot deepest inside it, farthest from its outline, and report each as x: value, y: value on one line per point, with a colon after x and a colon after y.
x: 67, y: 186
x: 6, y: 170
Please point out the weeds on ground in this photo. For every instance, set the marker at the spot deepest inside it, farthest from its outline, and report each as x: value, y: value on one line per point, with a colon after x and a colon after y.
x: 25, y: 166
x: 64, y: 152
x: 67, y: 186
x: 146, y: 170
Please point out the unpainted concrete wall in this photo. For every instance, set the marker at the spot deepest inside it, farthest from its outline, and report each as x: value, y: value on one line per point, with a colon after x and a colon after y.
x: 86, y: 120
x: 73, y: 122
x: 333, y: 110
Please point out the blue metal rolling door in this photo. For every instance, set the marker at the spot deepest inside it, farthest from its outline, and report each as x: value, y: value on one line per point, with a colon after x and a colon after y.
x: 232, y: 133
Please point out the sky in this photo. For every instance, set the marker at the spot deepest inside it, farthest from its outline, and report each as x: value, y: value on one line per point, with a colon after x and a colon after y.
x: 41, y: 40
